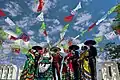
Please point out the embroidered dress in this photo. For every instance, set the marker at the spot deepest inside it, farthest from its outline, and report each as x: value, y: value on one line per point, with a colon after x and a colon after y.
x: 28, y: 72
x: 85, y: 72
x: 45, y: 68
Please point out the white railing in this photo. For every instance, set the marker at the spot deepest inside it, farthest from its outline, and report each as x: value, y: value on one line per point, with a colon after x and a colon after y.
x: 107, y: 70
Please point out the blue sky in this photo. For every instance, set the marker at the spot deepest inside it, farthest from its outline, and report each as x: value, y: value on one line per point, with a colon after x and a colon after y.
x: 24, y: 14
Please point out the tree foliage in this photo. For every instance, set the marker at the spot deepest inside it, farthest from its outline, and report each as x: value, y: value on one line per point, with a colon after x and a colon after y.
x: 114, y: 51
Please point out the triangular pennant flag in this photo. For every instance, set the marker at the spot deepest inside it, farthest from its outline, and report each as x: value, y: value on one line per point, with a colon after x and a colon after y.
x: 9, y: 21
x: 62, y: 35
x: 83, y: 32
x: 103, y: 18
x: 24, y: 37
x: 76, y: 8
x: 110, y: 35
x: 93, y: 25
x: 45, y: 32
x: 43, y: 27
x: 65, y: 28
x: 68, y: 18
x: 2, y: 13
x: 3, y: 35
x: 10, y: 33
x: 98, y: 39
x: 18, y: 30
x: 40, y: 6
x: 40, y: 17
x: 112, y: 10
x: 13, y: 38
x: 76, y: 37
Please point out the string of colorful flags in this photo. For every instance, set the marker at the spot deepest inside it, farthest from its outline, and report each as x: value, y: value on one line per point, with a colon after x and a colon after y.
x: 108, y: 36
x: 5, y: 34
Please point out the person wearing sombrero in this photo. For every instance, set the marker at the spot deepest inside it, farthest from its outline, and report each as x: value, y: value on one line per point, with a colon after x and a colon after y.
x: 73, y: 49
x: 92, y: 57
x: 30, y: 70
x: 56, y: 64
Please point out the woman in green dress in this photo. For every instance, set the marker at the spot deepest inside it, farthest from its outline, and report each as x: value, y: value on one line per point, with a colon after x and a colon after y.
x: 45, y: 67
x: 30, y: 70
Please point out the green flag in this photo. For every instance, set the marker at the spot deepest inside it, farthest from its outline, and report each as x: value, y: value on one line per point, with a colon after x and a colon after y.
x: 65, y: 28
x: 112, y: 9
x: 98, y: 39
x: 3, y: 35
x: 18, y: 30
x: 83, y: 32
x: 43, y: 26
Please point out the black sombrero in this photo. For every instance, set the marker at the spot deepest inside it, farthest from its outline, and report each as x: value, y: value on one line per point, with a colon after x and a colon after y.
x: 73, y: 47
x: 92, y: 42
x: 37, y: 47
x: 55, y: 49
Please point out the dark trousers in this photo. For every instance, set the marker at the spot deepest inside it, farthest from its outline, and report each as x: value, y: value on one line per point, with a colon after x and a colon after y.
x: 92, y: 63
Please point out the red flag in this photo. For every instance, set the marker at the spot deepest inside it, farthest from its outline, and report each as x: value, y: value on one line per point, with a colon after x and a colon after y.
x: 25, y: 37
x: 2, y: 13
x: 40, y: 6
x: 13, y: 38
x: 45, y: 33
x: 118, y: 31
x: 93, y: 25
x: 68, y: 18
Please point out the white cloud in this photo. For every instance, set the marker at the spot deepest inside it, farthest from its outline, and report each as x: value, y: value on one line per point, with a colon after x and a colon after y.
x: 26, y: 21
x: 55, y: 29
x: 83, y: 17
x: 64, y: 8
x: 13, y: 8
x: 104, y: 27
x: 77, y: 28
x: 56, y: 21
x: 30, y: 32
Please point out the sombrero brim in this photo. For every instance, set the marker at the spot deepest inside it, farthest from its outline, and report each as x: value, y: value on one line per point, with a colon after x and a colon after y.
x: 74, y: 47
x: 55, y: 49
x: 37, y: 47
x: 90, y: 42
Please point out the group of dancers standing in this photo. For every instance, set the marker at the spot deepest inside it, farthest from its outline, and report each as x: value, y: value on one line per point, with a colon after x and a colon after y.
x: 55, y: 63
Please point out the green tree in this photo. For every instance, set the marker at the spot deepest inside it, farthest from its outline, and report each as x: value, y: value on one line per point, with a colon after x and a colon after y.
x: 114, y: 51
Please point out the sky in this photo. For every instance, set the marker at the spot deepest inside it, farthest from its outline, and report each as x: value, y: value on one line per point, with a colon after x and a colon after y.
x: 23, y: 13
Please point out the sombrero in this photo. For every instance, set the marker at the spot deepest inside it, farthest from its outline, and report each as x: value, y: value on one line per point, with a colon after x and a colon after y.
x: 74, y: 47
x: 90, y: 42
x: 55, y: 49
x: 37, y: 47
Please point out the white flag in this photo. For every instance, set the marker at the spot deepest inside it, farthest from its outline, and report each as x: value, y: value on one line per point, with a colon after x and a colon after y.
x: 110, y: 35
x: 10, y: 33
x: 40, y: 17
x: 9, y: 21
x: 76, y: 8
x: 103, y: 18
x: 76, y: 37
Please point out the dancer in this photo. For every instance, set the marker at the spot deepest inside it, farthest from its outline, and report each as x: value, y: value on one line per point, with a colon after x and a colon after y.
x: 92, y: 57
x: 30, y: 70
x: 84, y: 67
x: 56, y: 65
